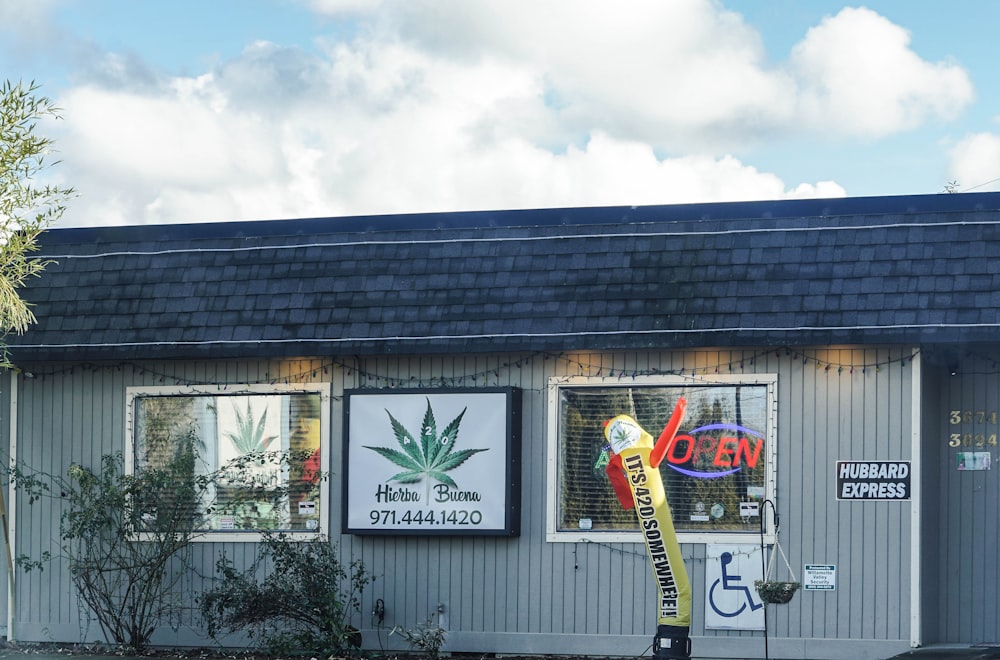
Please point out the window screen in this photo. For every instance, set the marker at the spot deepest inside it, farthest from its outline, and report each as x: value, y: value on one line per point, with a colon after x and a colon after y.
x: 715, y: 473
x: 262, y: 450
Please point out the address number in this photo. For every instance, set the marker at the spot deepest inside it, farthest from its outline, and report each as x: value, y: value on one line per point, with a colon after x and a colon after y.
x: 973, y: 417
x: 972, y: 440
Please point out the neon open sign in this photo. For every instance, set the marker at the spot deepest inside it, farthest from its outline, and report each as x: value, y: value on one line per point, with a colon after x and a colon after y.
x: 729, y: 447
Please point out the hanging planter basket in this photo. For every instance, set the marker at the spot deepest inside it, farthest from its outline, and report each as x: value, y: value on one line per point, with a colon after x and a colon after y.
x: 774, y: 592
x: 777, y: 592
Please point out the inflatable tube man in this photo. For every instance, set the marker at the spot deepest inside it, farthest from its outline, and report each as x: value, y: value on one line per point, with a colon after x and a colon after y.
x: 633, y: 470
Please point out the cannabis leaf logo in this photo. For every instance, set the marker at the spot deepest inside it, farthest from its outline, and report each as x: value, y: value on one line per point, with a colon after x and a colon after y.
x: 431, y: 457
x: 249, y: 437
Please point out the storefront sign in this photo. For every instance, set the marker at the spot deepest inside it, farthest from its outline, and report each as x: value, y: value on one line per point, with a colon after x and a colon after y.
x: 727, y: 448
x: 873, y: 480
x: 432, y: 462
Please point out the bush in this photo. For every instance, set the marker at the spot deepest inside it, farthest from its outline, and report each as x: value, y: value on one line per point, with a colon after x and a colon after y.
x: 126, y: 537
x: 427, y: 637
x: 123, y: 571
x: 304, y: 604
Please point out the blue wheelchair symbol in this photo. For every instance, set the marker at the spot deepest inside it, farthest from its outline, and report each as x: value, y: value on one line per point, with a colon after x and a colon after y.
x: 732, y: 583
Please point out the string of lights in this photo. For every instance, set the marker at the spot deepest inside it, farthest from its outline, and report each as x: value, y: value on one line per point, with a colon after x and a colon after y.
x: 688, y: 557
x: 497, y: 375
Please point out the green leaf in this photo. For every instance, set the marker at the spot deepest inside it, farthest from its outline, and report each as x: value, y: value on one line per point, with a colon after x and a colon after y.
x: 409, y: 477
x: 26, y: 209
x: 248, y: 438
x: 397, y: 457
x: 428, y: 435
x: 449, y: 435
x: 405, y: 440
x: 258, y: 433
x: 452, y: 461
x: 442, y: 477
x: 431, y: 458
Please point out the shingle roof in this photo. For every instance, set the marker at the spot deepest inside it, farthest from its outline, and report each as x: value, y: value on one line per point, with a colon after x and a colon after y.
x: 879, y: 270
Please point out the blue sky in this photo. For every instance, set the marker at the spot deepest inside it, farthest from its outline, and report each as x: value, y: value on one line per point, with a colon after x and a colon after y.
x: 191, y: 111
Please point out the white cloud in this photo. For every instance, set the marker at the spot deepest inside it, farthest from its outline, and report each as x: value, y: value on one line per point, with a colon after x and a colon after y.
x: 975, y: 163
x: 684, y: 75
x: 342, y: 7
x: 446, y: 105
x: 26, y: 28
x: 608, y: 171
x: 859, y: 77
x: 690, y: 75
x: 174, y: 140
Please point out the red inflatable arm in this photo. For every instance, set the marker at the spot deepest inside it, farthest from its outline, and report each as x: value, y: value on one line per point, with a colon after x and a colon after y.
x: 669, y: 431
x: 616, y: 473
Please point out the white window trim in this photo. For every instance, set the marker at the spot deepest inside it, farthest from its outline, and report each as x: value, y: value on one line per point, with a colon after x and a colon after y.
x: 323, y: 389
x: 552, y: 535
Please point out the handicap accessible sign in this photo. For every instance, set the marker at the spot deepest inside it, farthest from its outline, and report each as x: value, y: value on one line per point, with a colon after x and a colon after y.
x: 731, y: 601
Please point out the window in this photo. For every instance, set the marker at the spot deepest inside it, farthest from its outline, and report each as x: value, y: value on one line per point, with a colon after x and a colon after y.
x: 263, y: 447
x: 716, y: 474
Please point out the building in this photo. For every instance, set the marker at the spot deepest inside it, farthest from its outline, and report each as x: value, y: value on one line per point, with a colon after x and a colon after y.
x: 839, y: 356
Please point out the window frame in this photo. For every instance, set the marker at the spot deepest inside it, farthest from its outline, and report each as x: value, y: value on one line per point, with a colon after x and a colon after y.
x: 133, y: 393
x: 557, y: 383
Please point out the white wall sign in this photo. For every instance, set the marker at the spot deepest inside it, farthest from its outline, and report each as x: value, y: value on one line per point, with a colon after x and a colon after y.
x: 820, y: 577
x: 441, y: 461
x: 731, y: 600
x: 749, y: 509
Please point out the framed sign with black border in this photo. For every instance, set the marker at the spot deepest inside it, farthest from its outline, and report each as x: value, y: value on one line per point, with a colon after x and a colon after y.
x: 432, y: 461
x: 873, y: 481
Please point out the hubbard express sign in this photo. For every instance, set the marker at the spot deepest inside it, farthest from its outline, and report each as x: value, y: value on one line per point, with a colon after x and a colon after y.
x: 873, y: 480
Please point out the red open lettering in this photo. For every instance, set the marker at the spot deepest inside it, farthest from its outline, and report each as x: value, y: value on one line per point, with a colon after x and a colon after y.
x: 706, y: 445
x: 685, y: 441
x: 723, y: 455
x: 743, y: 449
x: 725, y: 452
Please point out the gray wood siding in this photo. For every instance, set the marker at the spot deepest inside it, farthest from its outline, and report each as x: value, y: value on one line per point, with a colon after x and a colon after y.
x: 525, y: 594
x: 7, y: 384
x: 964, y: 530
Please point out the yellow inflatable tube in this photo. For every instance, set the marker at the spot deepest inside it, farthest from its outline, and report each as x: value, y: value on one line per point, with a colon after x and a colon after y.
x: 635, y: 459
